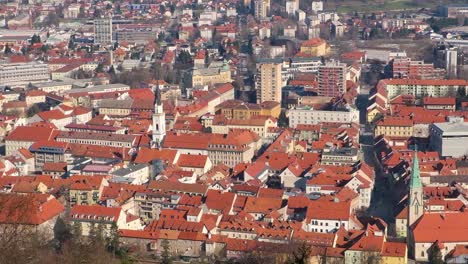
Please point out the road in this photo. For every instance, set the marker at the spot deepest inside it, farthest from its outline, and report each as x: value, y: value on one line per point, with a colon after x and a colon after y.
x: 382, y: 201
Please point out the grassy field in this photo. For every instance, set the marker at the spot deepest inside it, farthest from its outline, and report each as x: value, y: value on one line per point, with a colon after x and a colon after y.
x: 348, y: 6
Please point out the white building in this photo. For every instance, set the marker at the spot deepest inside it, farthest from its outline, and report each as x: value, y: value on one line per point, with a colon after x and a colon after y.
x: 307, y: 115
x: 317, y: 6
x: 23, y: 73
x: 261, y: 8
x: 450, y: 139
x: 133, y: 174
x: 420, y: 88
x: 291, y: 7
x: 103, y: 31
x: 451, y: 62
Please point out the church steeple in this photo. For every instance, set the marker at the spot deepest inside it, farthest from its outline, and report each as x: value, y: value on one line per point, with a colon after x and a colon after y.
x: 416, y: 203
x: 415, y: 181
x: 159, y: 119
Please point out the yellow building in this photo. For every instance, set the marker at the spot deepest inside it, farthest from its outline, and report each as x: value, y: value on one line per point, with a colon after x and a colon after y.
x: 112, y: 107
x: 315, y: 47
x: 394, y: 127
x: 394, y: 253
x: 260, y: 125
x: 217, y: 72
x: 86, y: 190
x: 373, y: 114
x: 237, y: 109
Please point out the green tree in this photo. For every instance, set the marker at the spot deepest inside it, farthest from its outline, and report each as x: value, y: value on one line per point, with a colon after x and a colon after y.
x: 33, y: 110
x: 7, y: 50
x: 184, y: 57
x: 283, y: 120
x: 165, y: 254
x: 35, y: 39
x: 99, y: 68
x: 113, y: 241
x: 62, y: 232
x: 435, y: 256
x: 71, y: 44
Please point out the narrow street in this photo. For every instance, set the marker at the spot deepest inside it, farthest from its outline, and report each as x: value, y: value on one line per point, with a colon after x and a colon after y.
x: 382, y: 202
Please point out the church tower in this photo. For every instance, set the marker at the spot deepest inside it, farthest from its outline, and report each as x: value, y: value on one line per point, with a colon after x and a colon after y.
x: 416, y: 203
x: 159, y: 120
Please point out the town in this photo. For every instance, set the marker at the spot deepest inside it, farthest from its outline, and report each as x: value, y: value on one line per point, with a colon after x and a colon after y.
x: 253, y: 131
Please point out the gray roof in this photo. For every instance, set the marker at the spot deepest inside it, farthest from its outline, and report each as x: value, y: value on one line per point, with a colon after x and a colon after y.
x: 453, y: 128
x: 99, y: 88
x: 130, y: 168
x: 52, y: 84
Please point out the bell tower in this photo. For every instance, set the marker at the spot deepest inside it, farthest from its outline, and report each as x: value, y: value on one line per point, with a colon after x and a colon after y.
x: 416, y: 196
x: 159, y: 120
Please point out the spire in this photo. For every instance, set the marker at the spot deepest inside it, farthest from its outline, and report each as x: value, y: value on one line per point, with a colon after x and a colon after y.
x: 158, y: 95
x: 415, y: 181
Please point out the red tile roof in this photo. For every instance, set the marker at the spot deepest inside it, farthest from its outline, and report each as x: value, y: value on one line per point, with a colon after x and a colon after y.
x: 446, y: 227
x: 29, y: 133
x: 95, y: 212
x: 31, y: 209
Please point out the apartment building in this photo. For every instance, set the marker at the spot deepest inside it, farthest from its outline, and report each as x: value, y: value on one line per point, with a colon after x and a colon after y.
x: 405, y: 68
x: 269, y: 82
x: 86, y: 190
x: 261, y: 8
x: 103, y: 31
x: 150, y: 203
x: 421, y: 88
x: 395, y: 127
x: 332, y: 79
x: 306, y: 115
x: 21, y: 74
x: 340, y: 156
x: 98, y: 139
x: 48, y: 152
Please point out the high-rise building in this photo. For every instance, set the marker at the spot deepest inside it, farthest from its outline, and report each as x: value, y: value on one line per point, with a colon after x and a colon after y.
x: 451, y: 62
x: 103, y: 30
x: 269, y: 82
x: 261, y: 8
x: 332, y: 79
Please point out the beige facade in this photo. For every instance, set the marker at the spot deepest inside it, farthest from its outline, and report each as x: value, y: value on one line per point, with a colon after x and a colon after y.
x: 214, y: 74
x: 269, y: 82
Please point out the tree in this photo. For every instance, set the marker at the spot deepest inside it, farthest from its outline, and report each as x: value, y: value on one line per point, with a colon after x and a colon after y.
x: 52, y: 19
x: 62, y: 232
x: 7, y: 50
x: 33, y: 110
x: 435, y: 256
x: 81, y: 13
x: 165, y: 254
x: 300, y: 255
x: 99, y: 68
x: 161, y: 36
x: 35, y: 39
x: 283, y: 120
x: 71, y: 43
x: 184, y: 57
x: 113, y: 240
